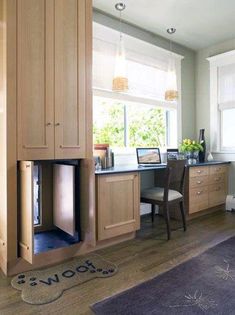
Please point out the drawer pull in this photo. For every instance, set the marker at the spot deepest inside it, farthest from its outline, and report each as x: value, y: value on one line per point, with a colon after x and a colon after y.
x: 199, y: 171
x: 217, y: 179
x: 199, y: 192
x: 218, y: 188
x: 199, y: 182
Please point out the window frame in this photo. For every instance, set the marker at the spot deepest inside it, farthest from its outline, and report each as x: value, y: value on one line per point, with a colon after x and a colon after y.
x: 216, y: 110
x: 136, y: 100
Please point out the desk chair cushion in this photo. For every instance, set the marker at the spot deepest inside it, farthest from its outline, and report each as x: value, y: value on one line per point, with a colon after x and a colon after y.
x: 157, y: 193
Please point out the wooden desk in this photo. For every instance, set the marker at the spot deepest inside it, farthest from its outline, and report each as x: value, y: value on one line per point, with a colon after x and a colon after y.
x: 118, y: 194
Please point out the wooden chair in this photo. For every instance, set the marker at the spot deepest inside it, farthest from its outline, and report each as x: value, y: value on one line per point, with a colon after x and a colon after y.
x: 171, y: 193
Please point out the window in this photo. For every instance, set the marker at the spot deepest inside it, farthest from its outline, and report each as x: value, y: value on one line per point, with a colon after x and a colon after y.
x: 140, y: 117
x: 222, y: 76
x: 128, y: 124
x: 228, y: 129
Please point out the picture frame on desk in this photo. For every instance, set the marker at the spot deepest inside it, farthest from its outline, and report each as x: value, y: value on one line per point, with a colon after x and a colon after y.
x: 172, y: 154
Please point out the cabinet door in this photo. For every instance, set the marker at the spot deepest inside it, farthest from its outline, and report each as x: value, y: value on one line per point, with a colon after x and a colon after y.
x: 35, y: 77
x: 118, y: 201
x: 26, y: 240
x: 64, y: 198
x: 70, y: 78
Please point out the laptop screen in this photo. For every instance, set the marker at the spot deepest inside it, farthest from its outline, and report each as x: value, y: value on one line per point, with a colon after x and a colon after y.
x: 148, y: 155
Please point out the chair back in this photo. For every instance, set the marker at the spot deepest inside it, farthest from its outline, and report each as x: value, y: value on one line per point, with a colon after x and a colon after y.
x: 177, y: 174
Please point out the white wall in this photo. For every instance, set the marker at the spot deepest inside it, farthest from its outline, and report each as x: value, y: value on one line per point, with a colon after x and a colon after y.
x: 203, y: 98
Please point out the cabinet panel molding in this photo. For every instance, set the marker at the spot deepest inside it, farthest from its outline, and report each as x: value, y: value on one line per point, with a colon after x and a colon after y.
x: 70, y: 85
x: 118, y: 204
x: 35, y: 97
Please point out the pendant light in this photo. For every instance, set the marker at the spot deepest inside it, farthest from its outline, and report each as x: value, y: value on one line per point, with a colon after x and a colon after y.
x: 171, y: 93
x: 120, y: 81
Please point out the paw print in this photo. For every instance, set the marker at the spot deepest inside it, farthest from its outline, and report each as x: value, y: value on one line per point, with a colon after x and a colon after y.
x: 21, y: 279
x: 33, y: 282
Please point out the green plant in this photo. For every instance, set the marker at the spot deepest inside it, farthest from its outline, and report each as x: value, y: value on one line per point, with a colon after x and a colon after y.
x: 189, y: 145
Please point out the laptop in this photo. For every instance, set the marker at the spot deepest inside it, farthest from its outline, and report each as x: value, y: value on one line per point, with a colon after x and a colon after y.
x: 148, y: 157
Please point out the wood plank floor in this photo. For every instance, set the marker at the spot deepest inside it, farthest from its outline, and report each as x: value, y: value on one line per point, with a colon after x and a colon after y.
x: 138, y: 260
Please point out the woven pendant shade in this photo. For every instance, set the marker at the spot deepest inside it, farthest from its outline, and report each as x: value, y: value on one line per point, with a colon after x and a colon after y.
x: 171, y: 95
x: 120, y: 84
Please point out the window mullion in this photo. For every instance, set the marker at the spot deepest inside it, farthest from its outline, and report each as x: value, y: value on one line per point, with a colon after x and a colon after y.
x: 126, y: 129
x: 168, y: 126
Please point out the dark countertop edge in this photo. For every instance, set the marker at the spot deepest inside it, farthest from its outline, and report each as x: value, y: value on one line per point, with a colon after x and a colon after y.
x: 130, y: 168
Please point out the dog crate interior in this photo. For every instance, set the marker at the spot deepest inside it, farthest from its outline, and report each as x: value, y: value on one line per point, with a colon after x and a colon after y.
x: 49, y: 216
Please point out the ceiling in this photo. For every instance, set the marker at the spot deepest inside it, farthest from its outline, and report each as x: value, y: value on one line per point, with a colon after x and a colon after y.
x: 199, y: 23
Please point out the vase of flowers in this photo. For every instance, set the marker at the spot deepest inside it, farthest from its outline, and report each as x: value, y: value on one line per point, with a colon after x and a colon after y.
x: 191, y: 149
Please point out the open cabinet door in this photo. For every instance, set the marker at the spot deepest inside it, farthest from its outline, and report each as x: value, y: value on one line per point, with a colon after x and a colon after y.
x: 64, y: 198
x: 26, y: 211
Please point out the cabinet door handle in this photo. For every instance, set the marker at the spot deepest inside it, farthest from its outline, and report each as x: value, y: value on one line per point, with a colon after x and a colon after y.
x: 57, y: 124
x: 199, y: 192
x: 199, y: 182
x: 218, y: 188
x: 48, y: 124
x: 199, y: 172
x: 217, y: 179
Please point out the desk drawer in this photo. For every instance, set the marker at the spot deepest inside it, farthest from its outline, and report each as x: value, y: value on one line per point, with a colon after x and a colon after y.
x: 217, y: 178
x: 198, y: 199
x: 218, y: 169
x: 198, y: 194
x: 217, y: 194
x: 198, y: 181
x: 198, y: 171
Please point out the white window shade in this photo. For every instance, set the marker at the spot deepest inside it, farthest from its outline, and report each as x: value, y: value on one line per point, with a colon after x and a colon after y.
x: 226, y: 86
x: 147, y: 64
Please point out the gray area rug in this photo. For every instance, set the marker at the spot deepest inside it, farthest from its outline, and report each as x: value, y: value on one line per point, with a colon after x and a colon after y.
x: 203, y: 285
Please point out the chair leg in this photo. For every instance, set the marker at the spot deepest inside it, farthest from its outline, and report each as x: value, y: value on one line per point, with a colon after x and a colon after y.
x: 183, y: 215
x: 153, y: 211
x: 167, y: 218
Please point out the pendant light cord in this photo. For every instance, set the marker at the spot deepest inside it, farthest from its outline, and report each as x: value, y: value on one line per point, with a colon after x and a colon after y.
x: 120, y: 24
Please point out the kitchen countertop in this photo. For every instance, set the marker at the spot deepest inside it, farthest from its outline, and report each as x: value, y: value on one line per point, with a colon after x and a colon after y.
x: 136, y: 168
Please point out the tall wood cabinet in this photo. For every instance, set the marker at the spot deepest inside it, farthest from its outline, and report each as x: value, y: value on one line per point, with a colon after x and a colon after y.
x: 51, y: 86
x: 45, y: 112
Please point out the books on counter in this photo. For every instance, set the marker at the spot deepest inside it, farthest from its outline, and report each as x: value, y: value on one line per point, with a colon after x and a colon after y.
x: 105, y: 154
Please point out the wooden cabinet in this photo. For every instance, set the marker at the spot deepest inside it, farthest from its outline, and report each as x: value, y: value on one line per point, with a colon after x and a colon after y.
x: 218, y: 185
x: 51, y: 79
x: 70, y: 67
x: 207, y: 187
x: 46, y: 114
x: 118, y: 204
x: 35, y: 98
